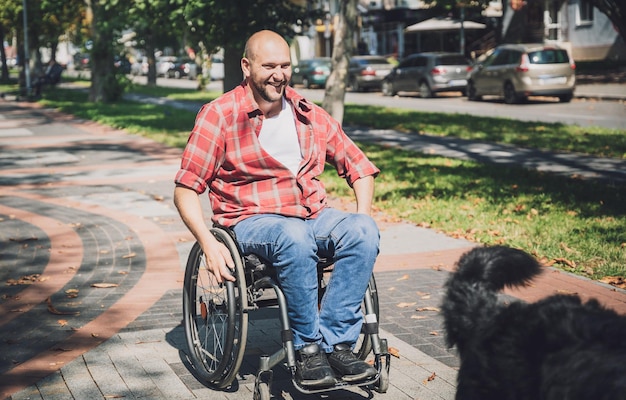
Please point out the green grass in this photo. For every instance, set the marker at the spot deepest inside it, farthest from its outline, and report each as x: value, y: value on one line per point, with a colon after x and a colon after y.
x: 573, y: 224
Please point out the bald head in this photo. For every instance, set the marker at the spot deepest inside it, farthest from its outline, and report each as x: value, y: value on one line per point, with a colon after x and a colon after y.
x: 264, y: 42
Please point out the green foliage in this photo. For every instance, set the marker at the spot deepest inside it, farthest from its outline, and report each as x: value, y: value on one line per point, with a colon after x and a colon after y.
x: 219, y: 24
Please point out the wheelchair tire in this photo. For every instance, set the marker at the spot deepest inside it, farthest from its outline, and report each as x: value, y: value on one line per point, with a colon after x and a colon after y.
x: 364, y: 343
x: 214, y: 317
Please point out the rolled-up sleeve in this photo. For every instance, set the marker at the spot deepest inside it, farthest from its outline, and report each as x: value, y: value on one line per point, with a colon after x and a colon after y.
x: 201, y: 157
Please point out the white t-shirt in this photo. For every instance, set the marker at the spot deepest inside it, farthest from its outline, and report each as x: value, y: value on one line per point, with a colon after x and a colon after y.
x: 279, y: 138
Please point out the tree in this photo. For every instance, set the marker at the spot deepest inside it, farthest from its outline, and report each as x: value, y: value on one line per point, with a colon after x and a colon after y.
x: 155, y: 22
x: 105, y: 27
x: 218, y: 23
x: 343, y: 48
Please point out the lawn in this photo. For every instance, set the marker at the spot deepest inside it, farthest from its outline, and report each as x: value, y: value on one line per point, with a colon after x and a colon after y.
x: 573, y: 224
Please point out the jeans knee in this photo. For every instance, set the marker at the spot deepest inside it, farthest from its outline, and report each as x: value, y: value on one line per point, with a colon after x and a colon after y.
x: 362, y: 231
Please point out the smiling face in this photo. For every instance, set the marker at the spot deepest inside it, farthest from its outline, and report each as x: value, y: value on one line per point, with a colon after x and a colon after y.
x: 267, y: 68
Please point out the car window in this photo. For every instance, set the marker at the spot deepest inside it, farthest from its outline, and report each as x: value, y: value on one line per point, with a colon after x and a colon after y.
x: 420, y: 62
x: 407, y: 62
x: 374, y: 61
x: 502, y: 58
x: 548, y: 56
x: 453, y: 60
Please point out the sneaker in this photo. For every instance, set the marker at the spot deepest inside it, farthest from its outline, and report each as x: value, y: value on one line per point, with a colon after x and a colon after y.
x: 312, y: 368
x: 351, y: 369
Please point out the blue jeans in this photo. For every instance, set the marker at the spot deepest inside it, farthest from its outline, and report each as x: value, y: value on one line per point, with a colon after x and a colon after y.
x: 293, y: 246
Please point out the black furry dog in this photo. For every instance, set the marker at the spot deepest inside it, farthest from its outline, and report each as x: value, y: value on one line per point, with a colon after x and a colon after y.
x: 557, y: 348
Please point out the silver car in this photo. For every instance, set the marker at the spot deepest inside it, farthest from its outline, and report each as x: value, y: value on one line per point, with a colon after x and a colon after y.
x: 367, y: 72
x: 428, y: 74
x: 516, y: 71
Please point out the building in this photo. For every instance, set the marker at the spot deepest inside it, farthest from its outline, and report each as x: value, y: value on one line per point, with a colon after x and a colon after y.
x: 576, y: 25
x: 586, y: 32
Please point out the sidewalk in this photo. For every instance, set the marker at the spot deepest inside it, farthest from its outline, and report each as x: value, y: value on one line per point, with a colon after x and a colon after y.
x: 93, y: 254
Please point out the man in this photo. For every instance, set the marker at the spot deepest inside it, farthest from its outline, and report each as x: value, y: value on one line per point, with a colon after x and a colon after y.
x: 259, y: 149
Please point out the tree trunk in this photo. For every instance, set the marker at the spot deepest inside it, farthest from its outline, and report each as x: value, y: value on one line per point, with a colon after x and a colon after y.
x: 104, y: 85
x: 152, y: 73
x: 233, y: 75
x: 343, y: 48
x: 4, y: 77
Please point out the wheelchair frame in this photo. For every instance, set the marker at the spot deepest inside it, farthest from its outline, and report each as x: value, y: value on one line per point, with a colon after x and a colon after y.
x: 215, y: 318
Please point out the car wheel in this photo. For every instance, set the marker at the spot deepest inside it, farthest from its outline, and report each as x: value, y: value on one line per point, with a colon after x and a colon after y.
x: 471, y: 92
x: 510, y: 97
x: 306, y: 83
x: 566, y: 98
x: 387, y: 89
x: 425, y: 91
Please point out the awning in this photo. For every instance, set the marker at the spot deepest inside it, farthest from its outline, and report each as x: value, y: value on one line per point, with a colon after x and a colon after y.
x: 443, y: 24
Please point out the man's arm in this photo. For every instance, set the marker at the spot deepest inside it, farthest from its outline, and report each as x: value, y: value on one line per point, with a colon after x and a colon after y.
x: 218, y: 258
x: 364, y: 193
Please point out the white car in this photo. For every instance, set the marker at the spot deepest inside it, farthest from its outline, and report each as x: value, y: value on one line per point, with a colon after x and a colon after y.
x: 216, y: 72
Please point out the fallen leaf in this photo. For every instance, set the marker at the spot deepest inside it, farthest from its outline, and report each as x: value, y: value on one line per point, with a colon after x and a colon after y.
x: 130, y: 255
x: 104, y: 285
x: 53, y: 310
x: 404, y: 305
x: 430, y: 378
x: 433, y: 333
x: 394, y: 352
x: 62, y: 322
x: 617, y: 281
x: 418, y: 317
x: 403, y: 277
x: 72, y: 293
x: 564, y: 261
x: 22, y: 240
x: 428, y: 309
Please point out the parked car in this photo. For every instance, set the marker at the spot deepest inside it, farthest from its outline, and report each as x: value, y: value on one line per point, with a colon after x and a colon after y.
x: 367, y: 72
x: 183, y: 67
x: 81, y: 61
x: 311, y: 72
x: 139, y: 67
x: 216, y: 72
x: 163, y: 64
x: 428, y: 74
x: 122, y: 64
x: 516, y: 71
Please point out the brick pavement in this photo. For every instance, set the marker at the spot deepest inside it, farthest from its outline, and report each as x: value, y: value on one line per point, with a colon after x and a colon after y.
x: 84, y: 205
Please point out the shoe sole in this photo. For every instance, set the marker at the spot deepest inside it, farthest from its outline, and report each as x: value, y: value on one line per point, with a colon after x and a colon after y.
x: 325, y: 382
x: 360, y: 377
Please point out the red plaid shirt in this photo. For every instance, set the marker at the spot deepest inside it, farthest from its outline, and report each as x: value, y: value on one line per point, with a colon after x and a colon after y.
x: 223, y: 154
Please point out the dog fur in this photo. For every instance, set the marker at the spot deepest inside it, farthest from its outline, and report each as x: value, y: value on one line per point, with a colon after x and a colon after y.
x: 555, y: 349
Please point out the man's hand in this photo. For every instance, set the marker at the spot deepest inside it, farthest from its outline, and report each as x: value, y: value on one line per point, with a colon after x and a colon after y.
x: 218, y: 261
x: 217, y: 257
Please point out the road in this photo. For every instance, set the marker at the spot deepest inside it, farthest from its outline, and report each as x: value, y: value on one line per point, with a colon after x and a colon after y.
x: 582, y: 112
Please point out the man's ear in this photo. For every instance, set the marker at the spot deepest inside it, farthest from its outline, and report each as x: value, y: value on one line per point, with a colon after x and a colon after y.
x: 245, y: 67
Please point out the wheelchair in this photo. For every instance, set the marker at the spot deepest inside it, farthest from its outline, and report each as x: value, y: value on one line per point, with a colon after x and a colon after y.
x: 215, y: 318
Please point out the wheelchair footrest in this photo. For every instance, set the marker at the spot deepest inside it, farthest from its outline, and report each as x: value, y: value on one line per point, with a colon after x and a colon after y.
x: 381, y: 367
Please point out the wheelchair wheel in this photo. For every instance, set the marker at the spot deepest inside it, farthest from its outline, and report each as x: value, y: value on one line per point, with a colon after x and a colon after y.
x: 364, y: 343
x: 216, y: 326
